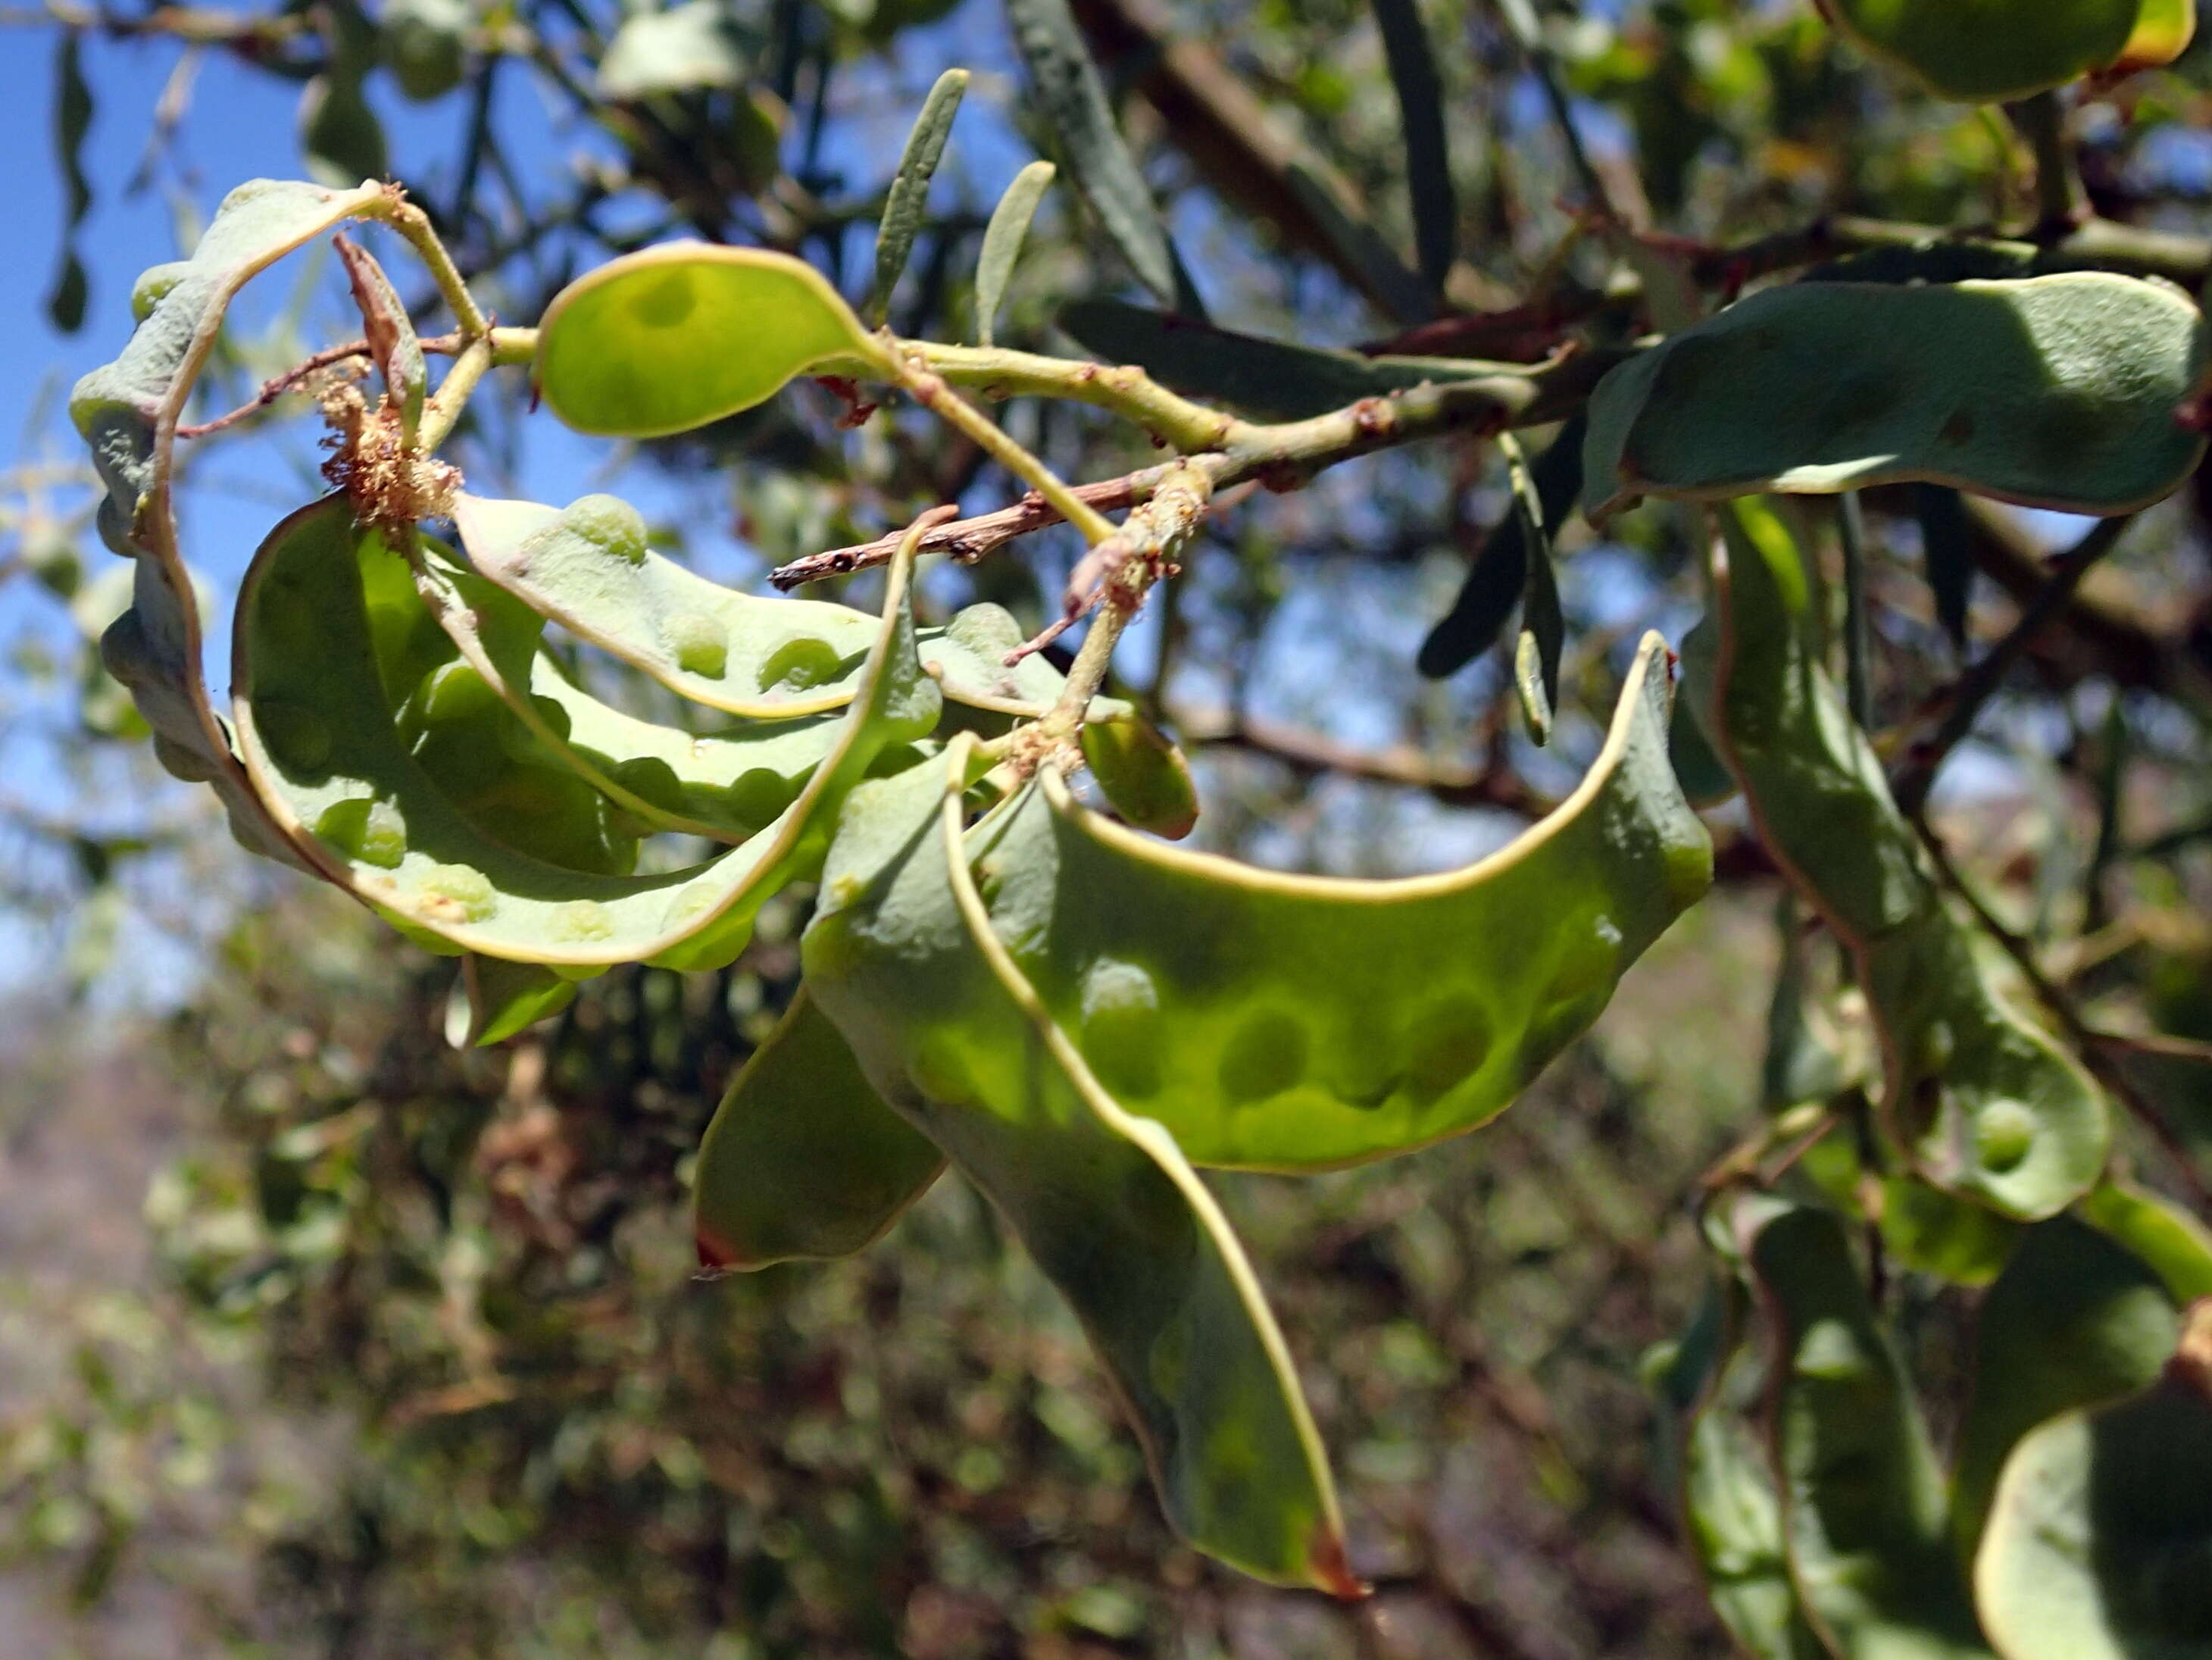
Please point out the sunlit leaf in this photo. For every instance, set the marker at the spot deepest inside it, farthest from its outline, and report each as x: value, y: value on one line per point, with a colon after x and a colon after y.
x: 678, y: 336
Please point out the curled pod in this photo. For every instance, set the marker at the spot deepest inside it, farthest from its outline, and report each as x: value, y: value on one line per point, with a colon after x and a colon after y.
x: 336, y: 773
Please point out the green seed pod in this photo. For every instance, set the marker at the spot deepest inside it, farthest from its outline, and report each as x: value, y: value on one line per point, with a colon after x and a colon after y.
x: 2055, y: 391
x: 316, y: 736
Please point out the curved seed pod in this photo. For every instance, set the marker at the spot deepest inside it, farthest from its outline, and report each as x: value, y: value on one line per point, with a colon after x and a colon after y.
x: 902, y: 956
x: 672, y: 338
x: 2055, y: 391
x: 1284, y: 1023
x: 498, y: 771
x: 1144, y: 777
x: 496, y: 1000
x: 723, y: 786
x: 1703, y: 1386
x: 2163, y: 31
x: 2174, y: 1245
x: 1862, y: 1499
x: 1932, y: 1231
x: 1735, y: 1526
x: 2099, y: 1543
x: 587, y: 567
x: 2074, y: 1320
x: 338, y: 776
x: 127, y: 412
x: 803, y: 1161
x: 1988, y: 52
x: 1990, y: 1107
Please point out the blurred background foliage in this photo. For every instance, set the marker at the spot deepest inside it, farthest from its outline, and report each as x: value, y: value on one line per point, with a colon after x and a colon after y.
x: 319, y: 1338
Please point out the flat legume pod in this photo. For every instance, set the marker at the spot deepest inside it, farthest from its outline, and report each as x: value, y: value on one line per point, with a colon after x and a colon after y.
x: 2099, y: 1543
x: 2054, y: 391
x: 128, y: 411
x: 902, y: 956
x: 1988, y: 1106
x: 324, y: 755
x: 1987, y: 51
x: 672, y: 338
x: 1862, y: 1496
x: 803, y: 1160
x: 1287, y: 1023
x: 587, y: 567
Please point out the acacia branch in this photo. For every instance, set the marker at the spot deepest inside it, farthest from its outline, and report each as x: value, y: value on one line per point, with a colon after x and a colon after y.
x: 1278, y: 455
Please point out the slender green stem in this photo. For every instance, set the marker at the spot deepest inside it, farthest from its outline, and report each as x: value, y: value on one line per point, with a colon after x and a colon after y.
x: 929, y: 390
x: 412, y: 223
x: 453, y: 396
x: 2041, y: 121
x: 995, y: 372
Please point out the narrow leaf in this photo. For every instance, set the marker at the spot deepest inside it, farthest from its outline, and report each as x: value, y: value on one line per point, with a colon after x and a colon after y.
x: 910, y: 191
x: 1378, y: 267
x: 1543, y: 627
x: 1002, y: 242
x: 73, y: 108
x: 1947, y: 546
x: 1274, y: 379
x: 1499, y: 576
x: 1420, y: 110
x: 1073, y: 99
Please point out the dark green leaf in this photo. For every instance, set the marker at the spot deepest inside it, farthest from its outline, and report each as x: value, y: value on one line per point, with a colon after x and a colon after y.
x: 1543, y: 627
x: 65, y: 299
x: 1420, y: 110
x: 1274, y: 379
x: 803, y: 1161
x: 1947, y: 545
x: 909, y: 191
x: 1074, y: 100
x: 1399, y: 290
x: 1500, y: 572
x: 339, y: 133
